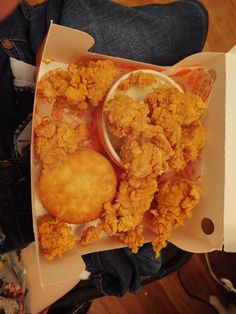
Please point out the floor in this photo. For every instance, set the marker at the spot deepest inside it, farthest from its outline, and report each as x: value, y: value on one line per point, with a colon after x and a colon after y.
x: 167, y: 296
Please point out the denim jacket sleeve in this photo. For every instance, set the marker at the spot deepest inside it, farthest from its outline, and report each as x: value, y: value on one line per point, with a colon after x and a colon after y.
x: 15, y: 201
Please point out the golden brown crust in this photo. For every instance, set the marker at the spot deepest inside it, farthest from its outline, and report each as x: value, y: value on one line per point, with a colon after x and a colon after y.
x: 164, y: 138
x: 91, y: 234
x: 76, y: 191
x: 53, y: 141
x: 78, y: 86
x: 125, y: 116
x: 139, y: 79
x: 55, y: 237
x: 176, y: 198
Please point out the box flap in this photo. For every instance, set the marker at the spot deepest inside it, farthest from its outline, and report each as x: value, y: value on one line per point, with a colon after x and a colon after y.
x: 41, y: 298
x: 230, y: 154
x: 199, y: 59
x: 63, y: 44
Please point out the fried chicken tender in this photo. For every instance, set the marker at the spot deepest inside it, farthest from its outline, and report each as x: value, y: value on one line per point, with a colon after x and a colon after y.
x: 78, y: 86
x: 138, y: 79
x: 57, y: 86
x: 169, y: 123
x: 185, y: 108
x: 141, y: 157
x: 176, y: 198
x: 192, y: 140
x: 53, y: 140
x: 54, y: 84
x: 55, y: 237
x: 156, y: 135
x: 178, y: 114
x: 133, y: 199
x: 126, y: 116
x: 146, y: 154
x: 98, y: 76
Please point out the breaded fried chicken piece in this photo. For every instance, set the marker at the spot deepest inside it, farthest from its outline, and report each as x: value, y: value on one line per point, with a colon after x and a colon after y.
x: 53, y: 140
x: 56, y: 86
x: 98, y: 77
x: 177, y: 162
x: 185, y: 108
x: 155, y: 134
x: 138, y: 79
x: 141, y: 157
x: 125, y: 116
x: 146, y: 154
x: 192, y: 140
x: 170, y: 124
x: 172, y: 109
x: 110, y: 218
x: 176, y: 198
x: 82, y: 84
x: 133, y: 199
x: 55, y: 237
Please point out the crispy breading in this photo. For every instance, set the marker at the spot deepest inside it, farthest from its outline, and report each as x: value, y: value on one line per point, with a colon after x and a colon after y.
x: 172, y: 138
x: 177, y: 161
x: 192, y: 140
x: 110, y: 219
x: 53, y: 84
x: 133, y: 238
x: 133, y: 199
x: 98, y: 76
x: 53, y: 140
x: 81, y: 84
x: 138, y: 79
x: 185, y: 108
x: 176, y: 198
x: 178, y: 114
x: 141, y: 157
x: 91, y: 234
x: 146, y: 154
x: 172, y: 109
x: 169, y: 123
x: 55, y: 237
x: 159, y: 135
x: 156, y: 135
x: 125, y: 116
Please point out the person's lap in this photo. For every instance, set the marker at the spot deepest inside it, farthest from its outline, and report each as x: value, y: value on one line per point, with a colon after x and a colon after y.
x: 158, y: 34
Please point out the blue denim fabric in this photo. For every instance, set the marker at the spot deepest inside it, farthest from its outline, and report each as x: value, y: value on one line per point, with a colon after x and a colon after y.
x: 158, y: 34
x: 117, y: 271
